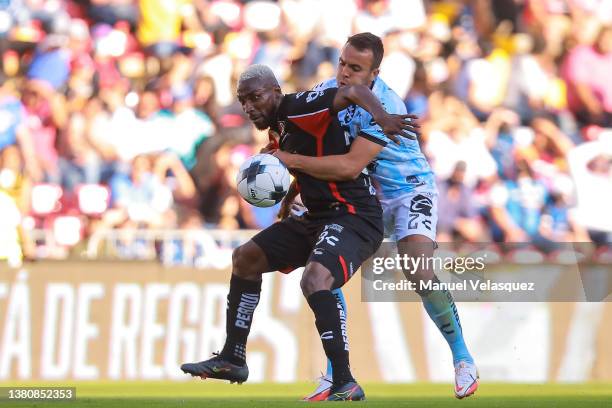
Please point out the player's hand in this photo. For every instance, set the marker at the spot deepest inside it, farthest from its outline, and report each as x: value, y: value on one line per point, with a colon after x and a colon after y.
x: 397, y: 126
x: 284, y: 157
x: 298, y: 210
x: 285, y: 209
x: 292, y: 208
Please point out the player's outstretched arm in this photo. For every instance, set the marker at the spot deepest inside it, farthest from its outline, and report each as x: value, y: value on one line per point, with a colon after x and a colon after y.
x: 337, y: 167
x: 392, y: 125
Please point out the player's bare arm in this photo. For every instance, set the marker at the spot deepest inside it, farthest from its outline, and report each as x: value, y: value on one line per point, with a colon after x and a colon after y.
x: 336, y: 167
x: 348, y: 166
x: 392, y: 125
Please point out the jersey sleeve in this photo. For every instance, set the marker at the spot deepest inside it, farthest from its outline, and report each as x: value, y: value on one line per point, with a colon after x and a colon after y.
x: 371, y: 130
x: 330, y: 83
x: 307, y: 102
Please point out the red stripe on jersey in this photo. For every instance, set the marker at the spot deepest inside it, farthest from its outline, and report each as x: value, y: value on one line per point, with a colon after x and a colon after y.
x: 334, y: 190
x: 315, y: 123
x: 319, y: 146
x: 344, y: 269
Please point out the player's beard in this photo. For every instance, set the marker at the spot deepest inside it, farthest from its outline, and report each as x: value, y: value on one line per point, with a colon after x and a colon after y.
x: 262, y: 124
x: 261, y: 127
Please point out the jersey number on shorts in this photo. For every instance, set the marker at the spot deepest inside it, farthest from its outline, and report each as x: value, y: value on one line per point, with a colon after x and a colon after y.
x: 331, y: 240
x: 413, y: 223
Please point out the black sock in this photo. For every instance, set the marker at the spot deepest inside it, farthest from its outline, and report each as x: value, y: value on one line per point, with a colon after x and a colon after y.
x: 242, y: 300
x: 330, y: 320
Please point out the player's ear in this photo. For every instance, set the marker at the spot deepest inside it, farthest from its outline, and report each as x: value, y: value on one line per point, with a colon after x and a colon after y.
x: 374, y: 73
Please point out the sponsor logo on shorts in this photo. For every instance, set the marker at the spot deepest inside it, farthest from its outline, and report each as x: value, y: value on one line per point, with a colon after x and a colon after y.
x: 415, y: 181
x: 326, y: 235
x: 421, y: 204
x: 335, y: 227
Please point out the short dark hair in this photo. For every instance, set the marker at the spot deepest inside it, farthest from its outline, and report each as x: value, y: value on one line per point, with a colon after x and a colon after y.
x: 369, y: 41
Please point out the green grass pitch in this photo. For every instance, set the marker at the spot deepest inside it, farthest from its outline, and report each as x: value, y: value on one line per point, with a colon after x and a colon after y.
x: 214, y: 394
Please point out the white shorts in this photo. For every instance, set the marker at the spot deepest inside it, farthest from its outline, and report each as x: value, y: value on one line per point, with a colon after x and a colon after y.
x: 414, y: 213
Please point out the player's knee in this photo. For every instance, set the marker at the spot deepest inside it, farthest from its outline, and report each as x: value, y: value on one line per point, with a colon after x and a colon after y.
x: 315, y: 278
x: 311, y: 284
x: 248, y: 261
x: 418, y: 247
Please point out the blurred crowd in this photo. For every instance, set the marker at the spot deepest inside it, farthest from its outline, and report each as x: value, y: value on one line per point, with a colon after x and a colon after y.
x: 121, y: 114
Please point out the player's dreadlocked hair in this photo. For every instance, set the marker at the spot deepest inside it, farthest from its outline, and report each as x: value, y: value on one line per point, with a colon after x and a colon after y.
x: 369, y: 41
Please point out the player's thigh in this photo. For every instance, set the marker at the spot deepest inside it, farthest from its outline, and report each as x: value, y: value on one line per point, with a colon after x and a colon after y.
x: 285, y: 245
x: 342, y: 245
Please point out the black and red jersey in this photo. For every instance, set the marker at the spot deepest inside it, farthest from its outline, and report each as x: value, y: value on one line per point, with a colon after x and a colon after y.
x: 308, y: 126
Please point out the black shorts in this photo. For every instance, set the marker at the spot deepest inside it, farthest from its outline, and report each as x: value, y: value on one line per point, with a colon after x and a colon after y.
x: 341, y: 244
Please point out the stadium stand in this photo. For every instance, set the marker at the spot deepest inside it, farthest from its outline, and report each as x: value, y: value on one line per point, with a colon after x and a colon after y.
x: 119, y: 124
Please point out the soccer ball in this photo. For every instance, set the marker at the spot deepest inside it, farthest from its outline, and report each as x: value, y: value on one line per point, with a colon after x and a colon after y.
x: 263, y: 180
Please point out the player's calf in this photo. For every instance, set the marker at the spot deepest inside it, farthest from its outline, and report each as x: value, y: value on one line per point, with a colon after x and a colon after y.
x: 330, y: 319
x: 442, y: 310
x: 249, y: 263
x: 242, y: 301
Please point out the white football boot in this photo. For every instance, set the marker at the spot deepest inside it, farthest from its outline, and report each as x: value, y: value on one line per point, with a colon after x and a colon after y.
x: 322, y: 391
x: 466, y: 379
